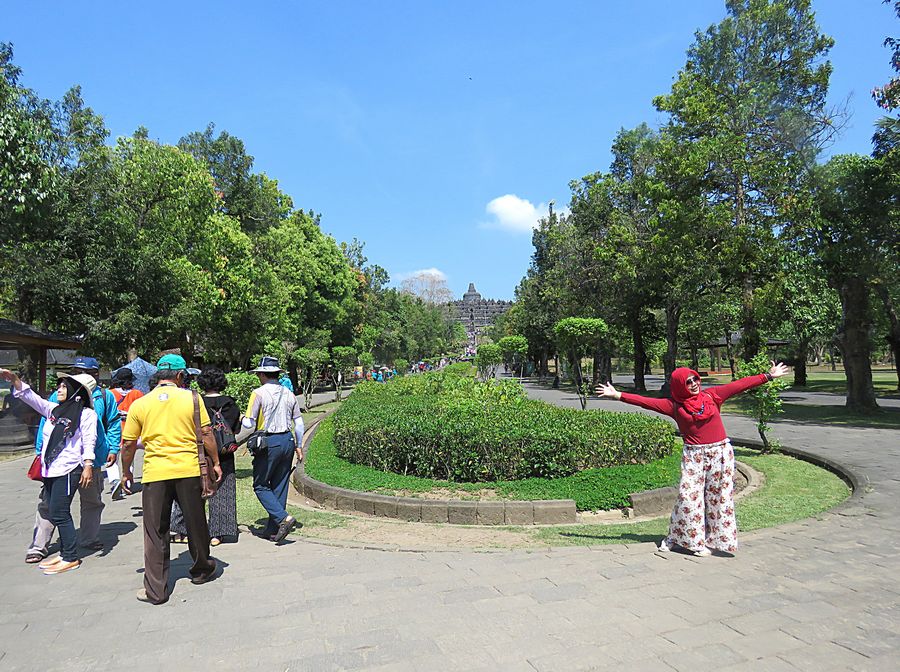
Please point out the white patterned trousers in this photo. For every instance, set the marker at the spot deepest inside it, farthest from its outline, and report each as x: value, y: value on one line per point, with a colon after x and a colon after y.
x: 703, y: 516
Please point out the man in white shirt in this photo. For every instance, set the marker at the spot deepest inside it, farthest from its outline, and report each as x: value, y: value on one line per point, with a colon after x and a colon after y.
x: 274, y: 412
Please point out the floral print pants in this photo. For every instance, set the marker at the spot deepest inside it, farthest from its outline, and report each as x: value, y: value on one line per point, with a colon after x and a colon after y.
x: 704, y: 512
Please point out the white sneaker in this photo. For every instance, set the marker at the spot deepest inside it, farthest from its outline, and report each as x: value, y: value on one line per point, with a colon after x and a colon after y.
x: 664, y: 546
x: 703, y: 553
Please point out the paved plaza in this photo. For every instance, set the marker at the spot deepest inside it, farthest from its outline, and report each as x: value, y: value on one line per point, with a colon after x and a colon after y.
x: 820, y: 594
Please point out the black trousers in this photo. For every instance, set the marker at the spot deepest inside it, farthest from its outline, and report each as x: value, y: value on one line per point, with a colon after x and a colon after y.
x: 157, y: 498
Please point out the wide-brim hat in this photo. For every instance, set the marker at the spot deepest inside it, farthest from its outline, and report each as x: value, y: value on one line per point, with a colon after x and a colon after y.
x: 85, y: 381
x: 268, y: 365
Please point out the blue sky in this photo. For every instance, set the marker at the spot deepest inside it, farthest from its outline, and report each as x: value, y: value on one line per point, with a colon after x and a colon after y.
x: 436, y: 132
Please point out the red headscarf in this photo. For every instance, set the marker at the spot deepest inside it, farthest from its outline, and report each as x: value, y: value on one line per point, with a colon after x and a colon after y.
x: 701, y: 405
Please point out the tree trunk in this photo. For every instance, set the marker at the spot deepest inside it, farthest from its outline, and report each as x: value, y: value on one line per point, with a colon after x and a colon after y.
x: 854, y: 342
x: 800, y: 356
x: 695, y: 359
x: 640, y: 356
x: 729, y: 351
x: 750, y: 335
x: 596, y: 370
x: 544, y: 365
x: 893, y: 336
x: 605, y: 368
x: 673, y: 317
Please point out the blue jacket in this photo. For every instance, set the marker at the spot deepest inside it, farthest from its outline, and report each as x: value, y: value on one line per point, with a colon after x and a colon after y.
x: 109, y: 426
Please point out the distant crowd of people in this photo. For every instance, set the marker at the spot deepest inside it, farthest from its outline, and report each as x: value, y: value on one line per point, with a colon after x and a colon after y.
x: 85, y: 428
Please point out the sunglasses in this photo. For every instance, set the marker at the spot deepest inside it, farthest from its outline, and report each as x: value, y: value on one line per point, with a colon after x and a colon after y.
x: 692, y: 380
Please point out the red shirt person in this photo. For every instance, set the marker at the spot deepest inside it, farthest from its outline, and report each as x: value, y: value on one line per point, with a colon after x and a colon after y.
x: 703, y: 516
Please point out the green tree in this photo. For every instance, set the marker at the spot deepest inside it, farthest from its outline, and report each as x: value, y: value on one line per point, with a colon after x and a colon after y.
x: 311, y: 363
x: 751, y: 100
x: 343, y: 360
x: 766, y: 403
x: 514, y: 349
x: 852, y: 231
x: 578, y: 337
x: 487, y: 358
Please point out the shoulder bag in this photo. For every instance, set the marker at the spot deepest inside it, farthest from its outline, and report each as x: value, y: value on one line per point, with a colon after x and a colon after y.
x: 207, y: 480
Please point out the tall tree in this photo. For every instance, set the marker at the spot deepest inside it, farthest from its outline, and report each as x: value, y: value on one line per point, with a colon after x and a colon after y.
x: 752, y: 99
x: 853, y: 231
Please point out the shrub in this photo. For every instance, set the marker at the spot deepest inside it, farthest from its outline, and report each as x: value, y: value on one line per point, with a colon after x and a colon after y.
x: 240, y: 385
x: 464, y: 369
x: 459, y: 429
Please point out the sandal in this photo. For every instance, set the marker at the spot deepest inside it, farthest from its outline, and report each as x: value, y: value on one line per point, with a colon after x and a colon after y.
x: 33, y: 557
x: 215, y: 541
x: 179, y: 539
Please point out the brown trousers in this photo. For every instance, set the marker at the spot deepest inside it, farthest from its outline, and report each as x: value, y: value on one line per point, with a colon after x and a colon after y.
x: 157, y: 500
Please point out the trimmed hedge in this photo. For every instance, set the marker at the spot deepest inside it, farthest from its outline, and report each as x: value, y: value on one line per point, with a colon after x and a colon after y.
x: 592, y: 489
x: 459, y: 429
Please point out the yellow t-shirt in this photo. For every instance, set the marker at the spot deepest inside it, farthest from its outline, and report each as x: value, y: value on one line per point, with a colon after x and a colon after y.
x: 164, y: 421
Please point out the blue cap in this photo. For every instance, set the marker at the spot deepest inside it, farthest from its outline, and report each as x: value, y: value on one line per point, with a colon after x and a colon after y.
x: 86, y: 363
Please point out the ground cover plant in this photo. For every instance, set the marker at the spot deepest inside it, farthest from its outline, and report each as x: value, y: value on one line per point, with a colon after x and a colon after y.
x: 463, y: 430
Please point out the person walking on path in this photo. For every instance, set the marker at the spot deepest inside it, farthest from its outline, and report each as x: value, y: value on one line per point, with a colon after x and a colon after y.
x: 125, y: 394
x: 703, y: 516
x: 225, y: 419
x: 163, y: 420
x: 275, y: 414
x: 67, y: 455
x: 106, y: 450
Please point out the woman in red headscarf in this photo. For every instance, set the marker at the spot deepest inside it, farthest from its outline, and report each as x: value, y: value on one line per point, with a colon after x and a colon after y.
x: 703, y: 517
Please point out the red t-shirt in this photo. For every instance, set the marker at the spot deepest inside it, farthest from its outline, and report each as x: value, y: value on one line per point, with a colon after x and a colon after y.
x: 693, y: 431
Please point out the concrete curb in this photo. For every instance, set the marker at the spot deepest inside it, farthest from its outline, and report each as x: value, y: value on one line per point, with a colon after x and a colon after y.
x: 647, y: 504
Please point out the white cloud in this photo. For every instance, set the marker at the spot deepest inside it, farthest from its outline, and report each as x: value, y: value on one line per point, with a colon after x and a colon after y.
x: 514, y: 214
x: 436, y: 273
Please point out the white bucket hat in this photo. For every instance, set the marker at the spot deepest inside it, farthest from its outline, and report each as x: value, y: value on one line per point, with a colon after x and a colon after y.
x: 84, y: 380
x: 268, y: 365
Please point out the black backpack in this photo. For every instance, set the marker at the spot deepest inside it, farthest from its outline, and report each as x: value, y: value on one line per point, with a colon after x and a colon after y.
x: 222, y: 430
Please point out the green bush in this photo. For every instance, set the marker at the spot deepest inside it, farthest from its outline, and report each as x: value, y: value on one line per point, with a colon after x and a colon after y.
x: 464, y: 369
x: 240, y: 385
x: 592, y: 489
x: 459, y: 429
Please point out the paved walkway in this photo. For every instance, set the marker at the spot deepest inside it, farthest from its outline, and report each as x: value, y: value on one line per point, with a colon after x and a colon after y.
x: 816, y: 595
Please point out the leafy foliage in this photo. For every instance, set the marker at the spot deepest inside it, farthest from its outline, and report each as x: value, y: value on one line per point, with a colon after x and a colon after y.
x: 461, y: 429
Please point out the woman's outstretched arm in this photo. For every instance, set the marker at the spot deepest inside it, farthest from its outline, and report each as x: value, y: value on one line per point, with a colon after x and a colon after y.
x: 722, y: 392
x: 664, y: 406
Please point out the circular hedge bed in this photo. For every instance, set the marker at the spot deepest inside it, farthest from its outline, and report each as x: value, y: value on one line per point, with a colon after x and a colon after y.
x: 458, y: 429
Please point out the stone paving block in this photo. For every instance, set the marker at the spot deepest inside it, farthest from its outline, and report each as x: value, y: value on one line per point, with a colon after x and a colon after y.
x: 768, y: 643
x: 329, y: 495
x: 519, y: 513
x: 554, y: 512
x: 434, y: 511
x: 409, y: 509
x: 653, y: 502
x: 461, y: 513
x: 383, y: 506
x: 345, y: 501
x: 823, y: 656
x: 364, y: 503
x: 708, y: 657
x: 490, y: 513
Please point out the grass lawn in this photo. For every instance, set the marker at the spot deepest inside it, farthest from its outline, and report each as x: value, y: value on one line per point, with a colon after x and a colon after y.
x: 250, y: 511
x: 793, y: 490
x: 606, y: 488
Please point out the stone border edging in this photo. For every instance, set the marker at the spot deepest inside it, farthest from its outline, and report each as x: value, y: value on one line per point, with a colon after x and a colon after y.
x: 857, y: 482
x: 648, y: 503
x: 414, y: 510
x: 659, y: 501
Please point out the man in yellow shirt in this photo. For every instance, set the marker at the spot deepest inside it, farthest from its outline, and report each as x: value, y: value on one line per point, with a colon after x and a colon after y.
x: 164, y: 421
